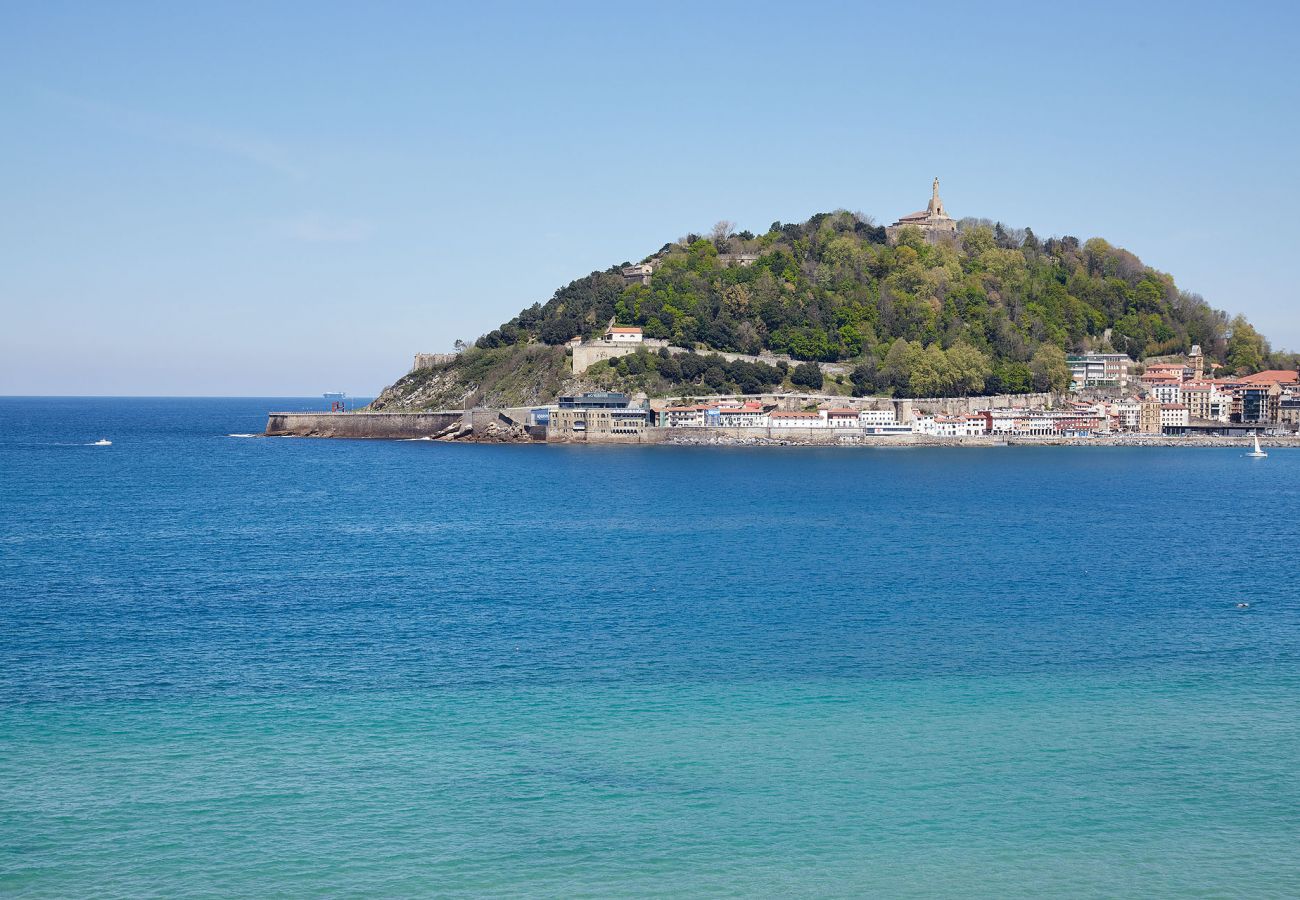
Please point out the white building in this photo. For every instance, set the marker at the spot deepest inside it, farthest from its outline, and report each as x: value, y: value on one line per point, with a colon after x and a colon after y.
x: 620, y: 334
x: 1128, y: 415
x: 742, y: 417
x: 957, y: 426
x: 1173, y: 416
x: 870, y: 417
x: 1023, y: 422
x: 842, y: 418
x: 1167, y: 392
x: 781, y: 419
x: 684, y: 416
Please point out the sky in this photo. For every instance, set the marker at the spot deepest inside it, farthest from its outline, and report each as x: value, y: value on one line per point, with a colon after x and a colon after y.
x: 290, y: 198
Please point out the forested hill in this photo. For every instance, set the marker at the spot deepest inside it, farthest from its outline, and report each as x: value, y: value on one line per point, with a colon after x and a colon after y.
x: 993, y: 311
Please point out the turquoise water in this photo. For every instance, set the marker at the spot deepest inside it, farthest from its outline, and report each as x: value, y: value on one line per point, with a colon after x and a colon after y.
x: 245, y: 667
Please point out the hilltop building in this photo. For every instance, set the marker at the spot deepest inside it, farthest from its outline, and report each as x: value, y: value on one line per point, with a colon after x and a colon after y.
x: 933, y: 221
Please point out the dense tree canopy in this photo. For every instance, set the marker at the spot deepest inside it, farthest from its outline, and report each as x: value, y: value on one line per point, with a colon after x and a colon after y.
x: 993, y: 311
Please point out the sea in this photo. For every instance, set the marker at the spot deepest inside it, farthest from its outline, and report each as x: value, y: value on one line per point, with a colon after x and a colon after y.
x: 235, y: 666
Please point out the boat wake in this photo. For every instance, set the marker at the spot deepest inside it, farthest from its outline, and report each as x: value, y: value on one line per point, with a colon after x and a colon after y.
x: 243, y: 435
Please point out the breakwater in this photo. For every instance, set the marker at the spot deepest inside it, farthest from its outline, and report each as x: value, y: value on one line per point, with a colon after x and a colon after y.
x: 384, y: 425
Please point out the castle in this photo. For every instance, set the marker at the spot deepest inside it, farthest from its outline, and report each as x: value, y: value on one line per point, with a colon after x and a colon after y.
x: 933, y: 221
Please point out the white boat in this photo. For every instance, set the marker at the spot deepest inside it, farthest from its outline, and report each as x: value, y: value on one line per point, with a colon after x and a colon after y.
x: 102, y: 442
x: 1257, y: 453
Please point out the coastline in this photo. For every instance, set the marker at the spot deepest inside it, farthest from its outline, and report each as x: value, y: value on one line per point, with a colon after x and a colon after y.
x: 450, y: 427
x: 916, y: 441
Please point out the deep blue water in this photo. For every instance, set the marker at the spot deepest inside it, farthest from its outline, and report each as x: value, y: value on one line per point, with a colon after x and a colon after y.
x: 243, y: 666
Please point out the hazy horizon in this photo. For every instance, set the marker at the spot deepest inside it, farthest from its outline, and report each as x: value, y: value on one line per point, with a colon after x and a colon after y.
x: 250, y: 201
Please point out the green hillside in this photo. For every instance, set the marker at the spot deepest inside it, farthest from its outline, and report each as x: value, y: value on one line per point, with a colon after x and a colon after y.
x: 994, y: 311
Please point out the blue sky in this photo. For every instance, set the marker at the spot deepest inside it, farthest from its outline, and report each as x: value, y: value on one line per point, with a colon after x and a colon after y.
x: 292, y: 198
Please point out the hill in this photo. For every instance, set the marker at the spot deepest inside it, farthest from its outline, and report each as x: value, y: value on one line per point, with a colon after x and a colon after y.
x: 991, y: 310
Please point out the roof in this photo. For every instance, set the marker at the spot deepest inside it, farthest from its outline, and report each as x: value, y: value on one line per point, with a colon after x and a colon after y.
x: 622, y: 329
x: 798, y: 415
x: 842, y: 412
x: 1271, y: 376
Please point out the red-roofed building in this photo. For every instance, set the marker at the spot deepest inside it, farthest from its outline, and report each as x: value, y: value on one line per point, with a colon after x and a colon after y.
x: 842, y: 418
x: 1272, y: 376
x: 624, y: 334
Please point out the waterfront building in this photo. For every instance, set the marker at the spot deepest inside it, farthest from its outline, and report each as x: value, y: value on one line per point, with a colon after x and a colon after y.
x: 1257, y: 404
x: 694, y: 416
x: 1080, y: 422
x: 874, y: 417
x: 750, y: 415
x: 1288, y: 410
x: 1173, y: 418
x: 1127, y: 415
x: 934, y: 222
x: 958, y: 426
x: 843, y: 418
x: 1021, y: 422
x: 796, y: 419
x: 573, y: 421
x: 1205, y: 401
x: 1149, y: 416
x: 595, y: 400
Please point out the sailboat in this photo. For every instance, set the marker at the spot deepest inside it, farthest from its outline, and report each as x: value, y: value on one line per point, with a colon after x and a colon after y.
x: 1257, y: 453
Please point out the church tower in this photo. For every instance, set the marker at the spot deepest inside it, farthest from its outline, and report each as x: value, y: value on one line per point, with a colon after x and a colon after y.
x: 936, y: 205
x: 933, y: 221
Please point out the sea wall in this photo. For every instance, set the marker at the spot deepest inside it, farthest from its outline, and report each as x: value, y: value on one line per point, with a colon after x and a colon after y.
x: 388, y: 425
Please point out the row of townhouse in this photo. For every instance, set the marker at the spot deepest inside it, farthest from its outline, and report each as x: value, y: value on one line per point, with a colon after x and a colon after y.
x: 951, y: 426
x: 754, y: 415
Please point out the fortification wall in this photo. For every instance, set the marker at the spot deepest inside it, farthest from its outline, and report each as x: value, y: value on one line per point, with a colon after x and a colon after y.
x: 431, y: 360
x: 587, y: 355
x: 960, y: 406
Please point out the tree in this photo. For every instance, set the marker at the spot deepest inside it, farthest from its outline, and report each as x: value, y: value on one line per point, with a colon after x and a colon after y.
x: 931, y: 373
x: 970, y: 369
x: 557, y: 331
x: 896, y: 371
x: 1049, y: 370
x: 721, y: 234
x: 807, y: 374
x: 1246, y: 348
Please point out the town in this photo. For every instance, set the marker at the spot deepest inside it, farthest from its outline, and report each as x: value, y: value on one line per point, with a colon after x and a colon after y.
x: 1110, y: 395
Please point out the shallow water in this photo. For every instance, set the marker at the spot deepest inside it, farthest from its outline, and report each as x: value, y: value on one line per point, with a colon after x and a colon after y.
x: 243, y: 666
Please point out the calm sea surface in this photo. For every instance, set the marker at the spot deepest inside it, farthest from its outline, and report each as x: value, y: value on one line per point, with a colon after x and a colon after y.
x: 252, y: 667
